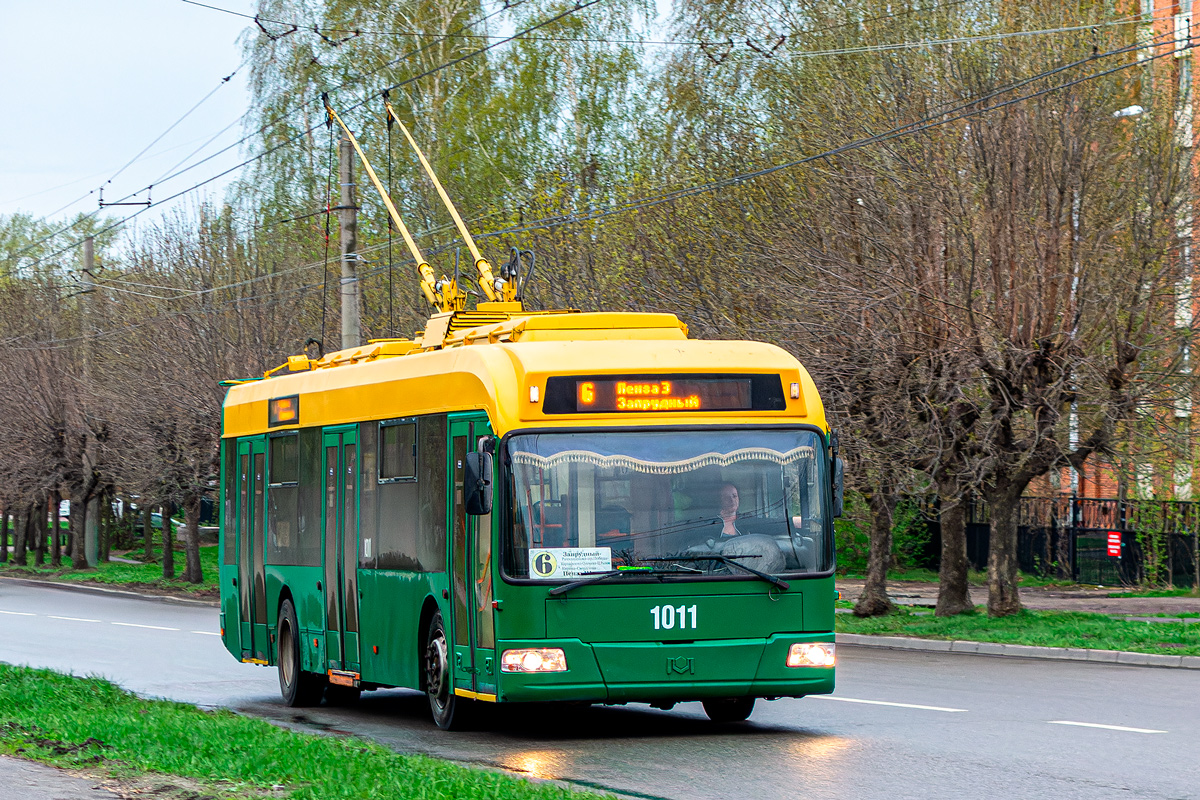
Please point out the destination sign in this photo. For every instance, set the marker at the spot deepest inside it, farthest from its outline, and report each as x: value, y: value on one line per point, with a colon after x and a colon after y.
x: 662, y: 394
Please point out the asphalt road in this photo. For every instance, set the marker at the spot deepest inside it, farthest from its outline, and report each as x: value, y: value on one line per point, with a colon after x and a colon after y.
x: 901, y: 725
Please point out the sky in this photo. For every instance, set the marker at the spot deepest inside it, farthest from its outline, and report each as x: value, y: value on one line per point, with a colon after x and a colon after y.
x: 89, y: 84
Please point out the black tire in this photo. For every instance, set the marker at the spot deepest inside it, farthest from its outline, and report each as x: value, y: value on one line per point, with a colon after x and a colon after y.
x: 342, y: 695
x: 450, y: 712
x: 729, y: 709
x: 299, y: 688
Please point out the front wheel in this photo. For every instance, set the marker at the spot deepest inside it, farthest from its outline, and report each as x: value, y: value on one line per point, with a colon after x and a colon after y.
x: 449, y: 712
x: 299, y: 688
x: 729, y: 709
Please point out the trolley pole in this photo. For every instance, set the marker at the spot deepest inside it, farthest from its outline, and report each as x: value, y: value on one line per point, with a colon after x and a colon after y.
x: 348, y: 224
x: 91, y: 524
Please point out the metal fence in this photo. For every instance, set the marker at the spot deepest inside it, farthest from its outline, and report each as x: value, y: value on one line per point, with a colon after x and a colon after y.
x: 1110, y: 542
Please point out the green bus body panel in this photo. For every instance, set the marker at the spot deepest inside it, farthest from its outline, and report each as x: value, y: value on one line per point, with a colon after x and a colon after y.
x: 300, y: 584
x: 645, y: 672
x: 737, y: 647
x: 389, y: 613
x: 697, y: 662
x: 226, y: 575
x: 629, y: 619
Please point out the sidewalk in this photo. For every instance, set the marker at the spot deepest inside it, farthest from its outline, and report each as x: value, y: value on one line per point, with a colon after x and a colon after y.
x: 28, y: 780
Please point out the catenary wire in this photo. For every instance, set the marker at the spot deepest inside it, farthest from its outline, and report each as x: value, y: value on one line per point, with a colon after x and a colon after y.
x: 296, y: 136
x: 559, y: 221
x: 915, y: 127
x: 930, y: 121
x: 246, y: 138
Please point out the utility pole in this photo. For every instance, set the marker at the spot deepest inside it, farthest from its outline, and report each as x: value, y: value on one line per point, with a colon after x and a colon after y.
x: 348, y: 224
x: 91, y: 524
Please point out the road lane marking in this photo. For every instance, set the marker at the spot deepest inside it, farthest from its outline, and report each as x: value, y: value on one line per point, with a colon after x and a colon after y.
x: 885, y: 703
x: 207, y: 633
x: 19, y: 613
x: 150, y: 627
x: 72, y: 619
x: 1105, y: 727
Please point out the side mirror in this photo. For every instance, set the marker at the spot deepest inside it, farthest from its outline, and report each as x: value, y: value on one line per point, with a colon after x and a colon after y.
x: 477, y: 483
x: 839, y: 490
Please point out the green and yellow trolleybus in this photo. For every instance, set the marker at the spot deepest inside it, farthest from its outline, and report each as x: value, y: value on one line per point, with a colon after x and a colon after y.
x: 525, y: 506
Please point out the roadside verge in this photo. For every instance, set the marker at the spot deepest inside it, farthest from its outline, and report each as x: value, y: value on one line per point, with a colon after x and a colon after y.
x: 1019, y: 651
x: 91, y: 588
x: 92, y: 725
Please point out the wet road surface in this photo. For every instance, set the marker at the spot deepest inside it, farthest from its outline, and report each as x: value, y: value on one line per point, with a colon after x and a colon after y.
x: 901, y: 724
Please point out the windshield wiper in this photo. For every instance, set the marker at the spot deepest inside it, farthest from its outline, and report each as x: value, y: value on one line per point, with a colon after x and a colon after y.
x: 602, y: 576
x: 729, y: 562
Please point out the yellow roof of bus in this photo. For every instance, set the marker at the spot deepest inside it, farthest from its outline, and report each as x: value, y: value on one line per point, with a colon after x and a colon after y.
x: 497, y: 377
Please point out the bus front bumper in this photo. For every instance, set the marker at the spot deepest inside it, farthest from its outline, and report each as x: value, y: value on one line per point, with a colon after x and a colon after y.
x: 630, y: 672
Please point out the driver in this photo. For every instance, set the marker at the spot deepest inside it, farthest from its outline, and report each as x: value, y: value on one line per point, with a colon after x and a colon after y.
x: 727, y: 505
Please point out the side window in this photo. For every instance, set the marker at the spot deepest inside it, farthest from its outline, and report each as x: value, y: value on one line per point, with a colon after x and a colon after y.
x: 230, y: 466
x: 411, y: 495
x: 310, y: 494
x: 283, y: 494
x: 431, y: 480
x: 285, y: 459
x: 398, y: 523
x: 398, y: 451
x: 368, y: 516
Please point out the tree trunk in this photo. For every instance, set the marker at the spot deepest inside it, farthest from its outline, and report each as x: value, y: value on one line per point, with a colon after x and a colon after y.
x: 104, y: 526
x: 147, y: 535
x: 1064, y: 569
x: 3, y: 534
x: 874, y: 599
x: 78, y: 526
x: 1003, y: 595
x: 191, y: 538
x: 168, y: 541
x: 35, y: 530
x: 55, y: 540
x: 20, y: 541
x: 954, y: 591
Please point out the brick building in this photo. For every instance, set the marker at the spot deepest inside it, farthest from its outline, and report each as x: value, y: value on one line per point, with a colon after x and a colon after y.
x: 1168, y: 470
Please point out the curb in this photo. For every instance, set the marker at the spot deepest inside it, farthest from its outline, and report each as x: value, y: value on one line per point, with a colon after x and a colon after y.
x: 1019, y: 651
x: 86, y: 589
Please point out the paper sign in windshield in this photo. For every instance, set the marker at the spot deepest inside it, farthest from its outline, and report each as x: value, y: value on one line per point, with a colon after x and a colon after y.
x: 551, y: 563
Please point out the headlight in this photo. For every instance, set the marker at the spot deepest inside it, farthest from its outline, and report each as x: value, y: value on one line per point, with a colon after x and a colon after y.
x: 811, y: 654
x: 534, y: 660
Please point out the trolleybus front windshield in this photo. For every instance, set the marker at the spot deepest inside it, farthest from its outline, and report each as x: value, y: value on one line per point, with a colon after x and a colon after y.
x: 590, y: 502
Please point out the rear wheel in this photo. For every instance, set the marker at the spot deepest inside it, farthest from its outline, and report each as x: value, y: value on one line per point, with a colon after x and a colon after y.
x: 729, y: 709
x: 299, y: 688
x: 449, y: 712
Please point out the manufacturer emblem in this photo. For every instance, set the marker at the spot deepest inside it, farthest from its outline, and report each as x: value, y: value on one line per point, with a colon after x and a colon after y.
x: 681, y: 665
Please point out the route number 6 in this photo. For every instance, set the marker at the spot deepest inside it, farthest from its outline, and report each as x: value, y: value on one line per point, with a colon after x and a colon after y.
x: 666, y: 617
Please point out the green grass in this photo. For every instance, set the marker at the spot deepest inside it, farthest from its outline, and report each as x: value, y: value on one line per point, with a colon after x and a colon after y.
x: 1040, y: 628
x: 116, y: 573
x: 75, y: 722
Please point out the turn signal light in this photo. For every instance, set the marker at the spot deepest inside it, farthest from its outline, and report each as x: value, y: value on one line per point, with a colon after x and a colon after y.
x: 811, y: 654
x: 534, y: 660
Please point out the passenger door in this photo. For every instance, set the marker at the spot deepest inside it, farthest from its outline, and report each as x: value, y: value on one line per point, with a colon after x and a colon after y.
x: 340, y: 526
x: 252, y: 596
x: 472, y: 631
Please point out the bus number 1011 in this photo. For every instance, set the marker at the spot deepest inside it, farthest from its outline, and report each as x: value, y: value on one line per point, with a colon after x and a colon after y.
x: 666, y: 617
